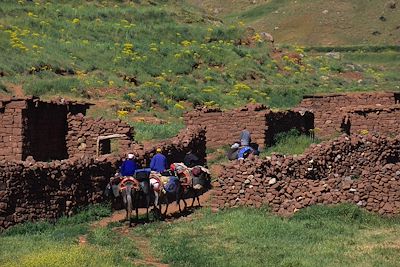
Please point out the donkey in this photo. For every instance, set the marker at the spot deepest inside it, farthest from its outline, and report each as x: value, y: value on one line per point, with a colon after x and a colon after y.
x: 127, y: 188
x: 132, y: 190
x: 164, y: 189
x: 193, y: 180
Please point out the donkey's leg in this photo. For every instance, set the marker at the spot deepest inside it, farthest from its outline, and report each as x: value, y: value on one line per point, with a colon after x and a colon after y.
x: 182, y: 196
x: 184, y: 202
x: 147, y: 206
x: 198, y: 199
x: 178, y: 196
x: 156, y: 196
x: 159, y: 202
x: 167, y: 200
x: 137, y: 198
x: 129, y: 204
x: 194, y: 196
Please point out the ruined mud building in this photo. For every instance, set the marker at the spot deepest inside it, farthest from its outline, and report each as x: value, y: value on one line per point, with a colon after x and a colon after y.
x: 224, y: 127
x: 53, y: 130
x: 68, y: 170
x: 58, y: 133
x: 372, y: 112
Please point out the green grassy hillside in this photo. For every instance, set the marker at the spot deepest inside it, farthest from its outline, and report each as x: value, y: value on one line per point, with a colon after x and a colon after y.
x: 315, y: 22
x: 161, y: 58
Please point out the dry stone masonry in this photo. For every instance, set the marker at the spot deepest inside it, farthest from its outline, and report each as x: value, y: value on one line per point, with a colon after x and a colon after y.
x: 364, y: 170
x: 83, y: 133
x: 361, y: 169
x: 32, y: 190
x: 224, y: 127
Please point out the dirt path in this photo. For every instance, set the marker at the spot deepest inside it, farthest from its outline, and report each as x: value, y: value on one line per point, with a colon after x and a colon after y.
x: 144, y: 248
x: 173, y: 211
x: 142, y: 243
x: 16, y: 90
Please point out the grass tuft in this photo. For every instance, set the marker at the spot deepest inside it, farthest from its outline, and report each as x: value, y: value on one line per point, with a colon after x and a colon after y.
x: 289, y: 143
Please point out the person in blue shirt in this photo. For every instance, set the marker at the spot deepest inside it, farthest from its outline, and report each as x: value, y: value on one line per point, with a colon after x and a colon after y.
x: 244, y: 152
x: 129, y: 166
x: 158, y: 162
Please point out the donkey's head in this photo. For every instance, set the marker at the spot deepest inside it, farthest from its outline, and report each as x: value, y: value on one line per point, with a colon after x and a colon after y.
x: 126, y: 186
x: 201, y: 179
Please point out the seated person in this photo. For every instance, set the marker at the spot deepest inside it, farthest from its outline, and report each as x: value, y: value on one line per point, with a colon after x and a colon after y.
x: 233, y: 151
x: 158, y: 162
x: 129, y: 166
x: 256, y: 149
x: 244, y: 152
x: 245, y: 137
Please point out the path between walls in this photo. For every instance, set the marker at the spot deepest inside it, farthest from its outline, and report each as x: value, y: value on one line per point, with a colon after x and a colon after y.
x: 142, y: 243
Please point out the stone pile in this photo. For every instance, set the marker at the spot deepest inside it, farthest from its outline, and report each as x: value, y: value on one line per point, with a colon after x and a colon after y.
x: 364, y: 170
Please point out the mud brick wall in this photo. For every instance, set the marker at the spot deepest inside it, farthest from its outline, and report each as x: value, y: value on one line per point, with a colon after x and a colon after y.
x: 357, y: 169
x: 82, y: 134
x: 12, y: 126
x: 326, y: 108
x: 372, y: 119
x: 224, y: 127
x: 31, y: 127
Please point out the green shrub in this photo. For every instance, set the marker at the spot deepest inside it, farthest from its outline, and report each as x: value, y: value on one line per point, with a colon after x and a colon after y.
x: 288, y: 143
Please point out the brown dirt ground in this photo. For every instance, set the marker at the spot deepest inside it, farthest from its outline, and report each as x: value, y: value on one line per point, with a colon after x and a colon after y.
x: 173, y: 211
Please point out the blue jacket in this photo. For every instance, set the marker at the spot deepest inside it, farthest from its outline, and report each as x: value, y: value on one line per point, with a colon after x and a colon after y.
x: 128, y: 167
x: 244, y: 151
x: 158, y: 163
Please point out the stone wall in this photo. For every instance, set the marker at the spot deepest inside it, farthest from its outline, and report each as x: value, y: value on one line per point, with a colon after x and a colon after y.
x: 224, y: 127
x: 372, y: 119
x: 83, y: 133
x: 189, y: 139
x: 326, y: 108
x: 32, y: 190
x: 357, y: 169
x: 49, y: 190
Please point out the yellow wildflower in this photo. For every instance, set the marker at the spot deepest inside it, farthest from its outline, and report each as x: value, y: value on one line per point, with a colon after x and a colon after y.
x: 186, y: 43
x: 179, y: 106
x: 122, y: 113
